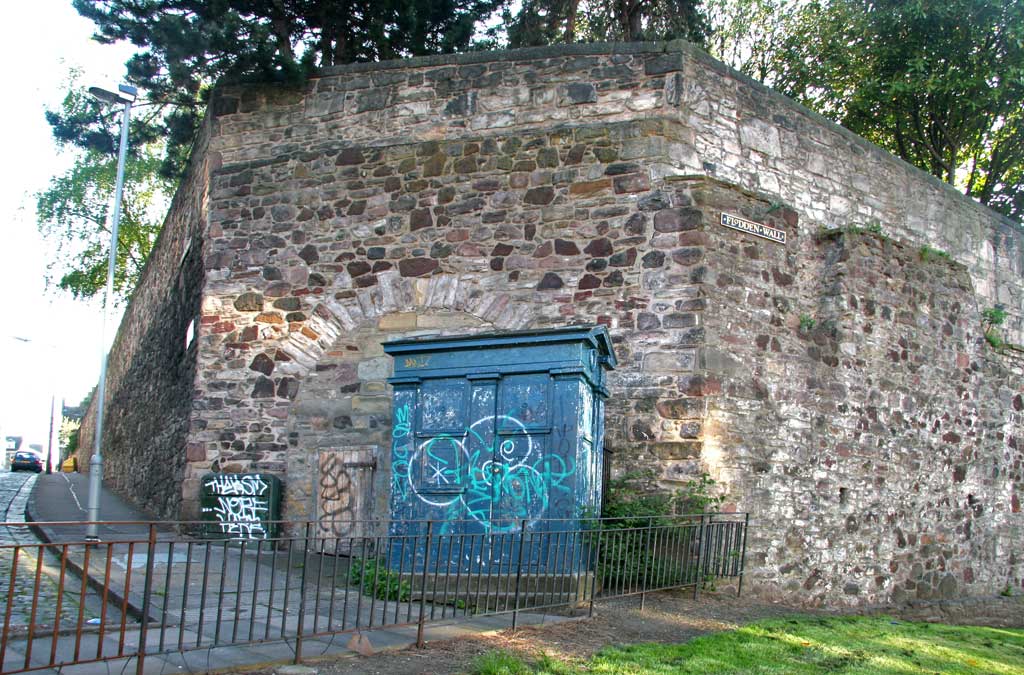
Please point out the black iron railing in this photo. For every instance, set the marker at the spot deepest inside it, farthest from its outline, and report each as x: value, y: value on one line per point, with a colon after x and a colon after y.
x: 156, y: 591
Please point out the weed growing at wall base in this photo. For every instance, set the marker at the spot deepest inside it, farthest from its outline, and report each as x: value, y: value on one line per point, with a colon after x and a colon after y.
x: 373, y: 577
x: 631, y: 551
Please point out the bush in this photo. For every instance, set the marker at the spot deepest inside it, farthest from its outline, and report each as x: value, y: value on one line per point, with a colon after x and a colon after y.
x: 373, y: 577
x: 628, y: 553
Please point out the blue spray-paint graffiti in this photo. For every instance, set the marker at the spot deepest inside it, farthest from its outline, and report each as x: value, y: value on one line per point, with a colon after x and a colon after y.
x: 523, y: 485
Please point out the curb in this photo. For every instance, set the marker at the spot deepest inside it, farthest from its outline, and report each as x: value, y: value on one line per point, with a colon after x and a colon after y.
x: 113, y: 597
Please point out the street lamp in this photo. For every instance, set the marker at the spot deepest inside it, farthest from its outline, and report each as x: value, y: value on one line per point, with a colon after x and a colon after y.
x: 125, y: 95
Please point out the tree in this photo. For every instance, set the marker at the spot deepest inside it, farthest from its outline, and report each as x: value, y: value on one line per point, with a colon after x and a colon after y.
x: 72, y: 212
x: 762, y: 39
x: 187, y: 45
x: 938, y: 83
x: 541, y: 22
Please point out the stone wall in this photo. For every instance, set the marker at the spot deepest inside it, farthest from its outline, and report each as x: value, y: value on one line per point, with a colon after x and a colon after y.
x: 838, y: 386
x: 731, y: 127
x: 517, y: 231
x: 151, y: 366
x: 856, y: 410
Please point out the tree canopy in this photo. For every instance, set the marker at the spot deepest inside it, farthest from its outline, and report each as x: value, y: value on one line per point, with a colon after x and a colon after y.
x: 187, y: 45
x: 541, y: 22
x: 72, y: 211
x: 938, y: 83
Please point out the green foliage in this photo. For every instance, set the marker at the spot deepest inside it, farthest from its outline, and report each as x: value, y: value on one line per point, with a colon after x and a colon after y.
x: 806, y: 646
x: 549, y: 666
x: 373, y: 576
x: 631, y: 503
x: 760, y: 38
x: 499, y: 663
x: 928, y: 254
x: 807, y: 323
x: 939, y: 84
x: 871, y: 228
x: 626, y: 551
x: 994, y: 316
x: 1007, y: 591
x: 991, y: 319
x: 70, y: 437
x: 543, y: 22
x: 994, y: 339
x: 801, y: 646
x: 73, y: 212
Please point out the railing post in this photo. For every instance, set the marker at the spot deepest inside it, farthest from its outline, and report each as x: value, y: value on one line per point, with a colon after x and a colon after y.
x: 147, y: 594
x: 519, y: 572
x: 301, y: 625
x: 743, y: 552
x: 596, y: 566
x: 423, y: 586
x: 700, y: 558
x: 644, y: 561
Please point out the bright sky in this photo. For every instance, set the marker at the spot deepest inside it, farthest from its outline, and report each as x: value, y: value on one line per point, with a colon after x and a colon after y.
x: 62, y: 355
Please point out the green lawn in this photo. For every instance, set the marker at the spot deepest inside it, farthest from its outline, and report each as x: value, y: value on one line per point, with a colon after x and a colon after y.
x: 843, y: 645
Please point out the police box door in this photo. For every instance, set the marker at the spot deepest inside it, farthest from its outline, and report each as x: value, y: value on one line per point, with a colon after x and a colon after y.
x: 476, y: 449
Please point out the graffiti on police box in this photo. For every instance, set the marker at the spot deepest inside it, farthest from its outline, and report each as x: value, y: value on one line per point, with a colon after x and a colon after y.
x: 523, y: 480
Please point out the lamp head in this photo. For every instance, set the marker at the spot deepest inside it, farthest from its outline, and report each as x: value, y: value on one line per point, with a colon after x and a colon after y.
x: 124, y: 94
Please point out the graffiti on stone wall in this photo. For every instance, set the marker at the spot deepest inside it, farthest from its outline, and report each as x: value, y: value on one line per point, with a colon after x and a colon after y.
x: 240, y: 504
x: 494, y: 480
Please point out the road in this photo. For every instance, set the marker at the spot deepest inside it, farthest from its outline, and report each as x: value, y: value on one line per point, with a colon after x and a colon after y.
x: 14, y: 490
x: 24, y: 604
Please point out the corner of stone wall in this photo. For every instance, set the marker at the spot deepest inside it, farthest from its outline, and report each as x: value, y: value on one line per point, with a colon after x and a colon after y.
x: 151, y: 364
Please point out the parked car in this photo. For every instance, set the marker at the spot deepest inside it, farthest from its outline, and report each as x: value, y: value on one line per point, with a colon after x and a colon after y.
x: 29, y: 461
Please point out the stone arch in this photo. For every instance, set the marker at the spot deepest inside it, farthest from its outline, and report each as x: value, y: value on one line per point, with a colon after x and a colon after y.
x: 476, y: 295
x: 340, y: 416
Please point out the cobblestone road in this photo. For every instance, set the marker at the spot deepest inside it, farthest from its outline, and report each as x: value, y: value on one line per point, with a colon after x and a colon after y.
x: 15, y: 489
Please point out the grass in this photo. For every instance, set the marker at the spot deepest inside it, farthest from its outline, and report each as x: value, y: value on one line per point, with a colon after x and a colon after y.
x: 833, y: 646
x: 500, y: 663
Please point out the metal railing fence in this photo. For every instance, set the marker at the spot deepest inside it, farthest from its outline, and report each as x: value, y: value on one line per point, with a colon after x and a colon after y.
x: 76, y: 602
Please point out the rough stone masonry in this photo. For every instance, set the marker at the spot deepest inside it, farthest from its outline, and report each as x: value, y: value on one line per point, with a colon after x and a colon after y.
x: 838, y: 384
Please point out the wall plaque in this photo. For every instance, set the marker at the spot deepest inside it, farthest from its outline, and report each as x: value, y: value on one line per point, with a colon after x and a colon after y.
x: 756, y: 229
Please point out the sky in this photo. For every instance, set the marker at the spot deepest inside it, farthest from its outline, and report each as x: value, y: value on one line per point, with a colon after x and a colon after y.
x: 50, y: 342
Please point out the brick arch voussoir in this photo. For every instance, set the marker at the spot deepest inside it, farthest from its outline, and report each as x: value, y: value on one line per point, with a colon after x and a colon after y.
x: 479, y: 296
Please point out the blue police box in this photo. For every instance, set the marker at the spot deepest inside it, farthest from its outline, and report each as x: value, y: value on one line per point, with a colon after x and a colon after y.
x: 494, y: 431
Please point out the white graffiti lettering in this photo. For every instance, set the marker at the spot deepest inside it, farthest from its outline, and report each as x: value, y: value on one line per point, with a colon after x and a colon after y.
x: 240, y: 504
x: 239, y: 515
x: 227, y: 484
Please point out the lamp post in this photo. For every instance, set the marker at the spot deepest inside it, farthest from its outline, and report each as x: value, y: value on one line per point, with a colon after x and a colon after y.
x: 125, y: 95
